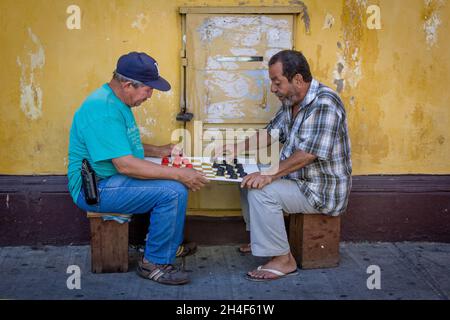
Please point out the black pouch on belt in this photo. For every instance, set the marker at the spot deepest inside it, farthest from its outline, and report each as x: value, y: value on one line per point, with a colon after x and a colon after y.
x: 89, y: 183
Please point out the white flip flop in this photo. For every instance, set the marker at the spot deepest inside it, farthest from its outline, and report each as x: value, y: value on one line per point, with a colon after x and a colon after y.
x: 274, y: 271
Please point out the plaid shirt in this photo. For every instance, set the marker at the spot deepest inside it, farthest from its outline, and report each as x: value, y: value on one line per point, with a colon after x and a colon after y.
x: 320, y: 128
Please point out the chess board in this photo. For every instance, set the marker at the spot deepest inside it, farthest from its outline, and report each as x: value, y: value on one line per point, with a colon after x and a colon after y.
x: 218, y: 170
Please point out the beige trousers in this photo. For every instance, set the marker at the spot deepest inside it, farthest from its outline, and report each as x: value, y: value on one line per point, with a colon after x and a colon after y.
x: 263, y: 214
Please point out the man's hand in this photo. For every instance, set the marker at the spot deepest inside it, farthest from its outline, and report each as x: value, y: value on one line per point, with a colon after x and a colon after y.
x: 192, y: 179
x: 169, y: 150
x: 256, y: 181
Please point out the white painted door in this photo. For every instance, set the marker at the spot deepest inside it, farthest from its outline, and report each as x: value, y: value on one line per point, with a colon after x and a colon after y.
x: 227, y: 83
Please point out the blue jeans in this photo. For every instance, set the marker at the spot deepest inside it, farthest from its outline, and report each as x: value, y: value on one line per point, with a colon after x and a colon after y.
x: 165, y: 199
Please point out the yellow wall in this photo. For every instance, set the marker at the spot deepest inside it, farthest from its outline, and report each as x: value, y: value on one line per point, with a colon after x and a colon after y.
x: 395, y: 80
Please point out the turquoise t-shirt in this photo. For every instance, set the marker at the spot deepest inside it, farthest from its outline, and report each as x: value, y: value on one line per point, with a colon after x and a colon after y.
x: 103, y: 128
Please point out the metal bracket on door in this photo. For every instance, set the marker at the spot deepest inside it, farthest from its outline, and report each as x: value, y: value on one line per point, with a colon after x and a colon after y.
x: 240, y: 59
x: 263, y: 103
x: 183, y: 115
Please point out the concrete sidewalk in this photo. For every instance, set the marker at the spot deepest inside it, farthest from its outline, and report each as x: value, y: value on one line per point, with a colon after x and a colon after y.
x: 408, y: 271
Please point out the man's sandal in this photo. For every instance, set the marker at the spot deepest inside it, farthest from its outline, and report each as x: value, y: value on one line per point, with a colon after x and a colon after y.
x: 245, y: 249
x: 162, y: 273
x: 278, y: 274
x: 183, y: 250
x: 186, y: 249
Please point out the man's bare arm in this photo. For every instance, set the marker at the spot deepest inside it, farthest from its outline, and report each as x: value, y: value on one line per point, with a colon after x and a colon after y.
x: 159, y: 151
x: 296, y: 161
x: 245, y: 145
x: 299, y: 159
x: 150, y: 150
x: 142, y: 169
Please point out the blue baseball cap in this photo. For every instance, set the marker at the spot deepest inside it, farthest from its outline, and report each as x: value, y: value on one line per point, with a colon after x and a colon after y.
x: 141, y: 67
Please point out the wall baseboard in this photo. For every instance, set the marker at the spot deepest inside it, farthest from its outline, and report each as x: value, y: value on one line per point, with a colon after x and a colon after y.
x: 39, y: 210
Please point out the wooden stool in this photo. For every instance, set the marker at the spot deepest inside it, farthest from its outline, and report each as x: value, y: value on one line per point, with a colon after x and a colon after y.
x: 314, y: 240
x: 109, y: 244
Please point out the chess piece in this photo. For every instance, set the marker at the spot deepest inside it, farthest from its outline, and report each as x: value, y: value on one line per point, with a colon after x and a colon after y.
x: 176, y: 162
x: 165, y: 161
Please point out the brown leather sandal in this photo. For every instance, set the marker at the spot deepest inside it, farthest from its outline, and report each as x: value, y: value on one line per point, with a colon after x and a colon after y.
x: 186, y: 249
x: 245, y: 249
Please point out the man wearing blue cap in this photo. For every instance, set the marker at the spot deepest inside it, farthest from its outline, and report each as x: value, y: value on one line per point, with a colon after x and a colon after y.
x: 104, y: 132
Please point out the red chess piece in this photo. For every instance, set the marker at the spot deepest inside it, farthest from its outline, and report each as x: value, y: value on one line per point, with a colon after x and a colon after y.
x: 189, y: 165
x: 165, y: 161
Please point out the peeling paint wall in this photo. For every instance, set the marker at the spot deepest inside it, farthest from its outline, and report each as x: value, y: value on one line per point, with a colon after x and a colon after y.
x: 30, y: 91
x: 394, y: 81
x: 432, y: 17
x: 48, y: 70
